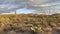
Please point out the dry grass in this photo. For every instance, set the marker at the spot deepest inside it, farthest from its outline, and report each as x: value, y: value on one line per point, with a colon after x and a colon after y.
x: 23, y: 23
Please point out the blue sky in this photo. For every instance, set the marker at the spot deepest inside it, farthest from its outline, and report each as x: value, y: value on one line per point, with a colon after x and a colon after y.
x: 21, y: 10
x: 24, y: 10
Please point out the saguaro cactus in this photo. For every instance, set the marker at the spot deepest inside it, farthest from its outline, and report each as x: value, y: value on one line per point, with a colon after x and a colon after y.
x: 15, y: 11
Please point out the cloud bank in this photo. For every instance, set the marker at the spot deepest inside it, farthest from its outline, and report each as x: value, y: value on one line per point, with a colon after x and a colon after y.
x: 12, y: 5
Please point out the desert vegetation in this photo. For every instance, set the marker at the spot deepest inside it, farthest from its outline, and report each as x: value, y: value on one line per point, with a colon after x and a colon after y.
x: 30, y: 24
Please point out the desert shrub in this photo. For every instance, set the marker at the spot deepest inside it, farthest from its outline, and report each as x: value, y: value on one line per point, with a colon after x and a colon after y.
x: 20, y: 21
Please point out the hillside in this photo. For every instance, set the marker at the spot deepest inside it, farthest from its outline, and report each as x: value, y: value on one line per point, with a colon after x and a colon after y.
x: 22, y: 24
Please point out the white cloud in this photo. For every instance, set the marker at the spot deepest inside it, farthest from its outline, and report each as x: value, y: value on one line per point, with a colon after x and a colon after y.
x: 10, y: 5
